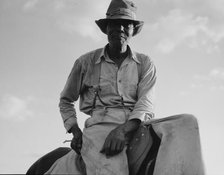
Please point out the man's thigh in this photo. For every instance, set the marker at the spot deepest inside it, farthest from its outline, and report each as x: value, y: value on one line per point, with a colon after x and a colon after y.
x: 96, y: 162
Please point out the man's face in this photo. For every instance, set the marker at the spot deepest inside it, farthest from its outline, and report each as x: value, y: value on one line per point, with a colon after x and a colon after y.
x: 119, y: 32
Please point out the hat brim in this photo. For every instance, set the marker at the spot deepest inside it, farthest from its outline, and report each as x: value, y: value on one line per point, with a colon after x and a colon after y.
x: 102, y: 24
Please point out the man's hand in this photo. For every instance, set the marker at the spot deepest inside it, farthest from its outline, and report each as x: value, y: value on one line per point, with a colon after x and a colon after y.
x: 114, y: 142
x: 117, y: 138
x: 76, y: 143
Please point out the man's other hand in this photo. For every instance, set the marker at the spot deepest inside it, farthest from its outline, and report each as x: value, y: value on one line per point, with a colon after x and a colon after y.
x: 115, y: 142
x: 119, y: 137
x: 76, y: 143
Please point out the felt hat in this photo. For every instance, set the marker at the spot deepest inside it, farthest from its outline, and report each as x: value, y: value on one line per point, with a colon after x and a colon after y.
x: 121, y: 9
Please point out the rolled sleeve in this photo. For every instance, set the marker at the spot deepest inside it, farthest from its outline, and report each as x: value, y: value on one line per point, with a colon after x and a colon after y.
x: 144, y: 107
x: 69, y: 95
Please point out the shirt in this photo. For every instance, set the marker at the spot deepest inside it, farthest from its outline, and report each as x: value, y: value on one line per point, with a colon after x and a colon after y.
x: 132, y: 84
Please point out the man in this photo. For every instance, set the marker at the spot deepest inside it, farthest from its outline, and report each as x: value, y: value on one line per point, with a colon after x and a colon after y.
x: 115, y: 86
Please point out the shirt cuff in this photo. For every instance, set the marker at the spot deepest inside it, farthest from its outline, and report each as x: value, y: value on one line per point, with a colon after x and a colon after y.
x: 69, y: 123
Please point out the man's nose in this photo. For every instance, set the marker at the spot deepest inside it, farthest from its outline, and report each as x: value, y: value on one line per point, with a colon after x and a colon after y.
x: 120, y: 27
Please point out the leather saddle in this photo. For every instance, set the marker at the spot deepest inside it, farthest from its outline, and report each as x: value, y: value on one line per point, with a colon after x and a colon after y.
x: 142, y: 151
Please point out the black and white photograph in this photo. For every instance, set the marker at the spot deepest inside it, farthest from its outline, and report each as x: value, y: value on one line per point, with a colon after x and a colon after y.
x: 112, y: 87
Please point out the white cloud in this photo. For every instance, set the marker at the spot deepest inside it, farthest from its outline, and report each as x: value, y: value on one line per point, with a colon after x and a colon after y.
x: 217, y: 73
x: 86, y: 27
x: 181, y: 27
x: 214, y: 80
x: 173, y: 24
x: 14, y: 108
x: 30, y: 4
x: 77, y: 17
x: 200, y: 6
x: 59, y: 5
x: 72, y: 16
x: 195, y: 24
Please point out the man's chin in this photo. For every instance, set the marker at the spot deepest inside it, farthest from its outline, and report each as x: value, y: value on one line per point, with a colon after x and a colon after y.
x: 119, y: 41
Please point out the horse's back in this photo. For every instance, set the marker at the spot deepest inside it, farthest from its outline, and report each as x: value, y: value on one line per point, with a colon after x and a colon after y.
x: 45, y: 162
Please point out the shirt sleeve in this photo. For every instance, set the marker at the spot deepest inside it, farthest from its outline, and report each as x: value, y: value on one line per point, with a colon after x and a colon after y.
x: 69, y: 95
x: 144, y: 107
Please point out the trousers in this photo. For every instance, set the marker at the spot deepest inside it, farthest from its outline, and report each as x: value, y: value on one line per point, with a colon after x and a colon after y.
x: 97, y: 127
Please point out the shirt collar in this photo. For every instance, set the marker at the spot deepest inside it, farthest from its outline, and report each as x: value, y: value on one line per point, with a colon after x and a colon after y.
x: 104, y: 55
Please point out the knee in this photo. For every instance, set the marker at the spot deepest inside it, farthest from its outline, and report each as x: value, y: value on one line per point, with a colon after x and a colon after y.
x: 188, y: 119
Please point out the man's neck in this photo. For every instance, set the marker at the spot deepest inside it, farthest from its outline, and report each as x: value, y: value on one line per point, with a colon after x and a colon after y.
x: 117, y: 53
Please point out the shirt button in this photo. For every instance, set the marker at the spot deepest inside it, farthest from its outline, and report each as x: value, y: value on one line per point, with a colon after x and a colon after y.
x: 119, y: 81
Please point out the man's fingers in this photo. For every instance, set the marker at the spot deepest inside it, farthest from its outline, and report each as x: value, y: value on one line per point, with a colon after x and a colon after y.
x: 106, y: 147
x: 79, y: 141
x: 76, y: 144
x: 119, y: 147
x: 113, y: 147
x: 122, y: 145
x: 102, y: 150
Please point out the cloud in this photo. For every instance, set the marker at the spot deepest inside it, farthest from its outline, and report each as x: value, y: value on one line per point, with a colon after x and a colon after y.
x: 78, y: 17
x: 217, y: 73
x: 173, y: 24
x: 30, y: 4
x: 214, y: 80
x: 206, y: 7
x: 83, y: 26
x: 14, y: 108
x: 181, y: 27
x: 196, y: 24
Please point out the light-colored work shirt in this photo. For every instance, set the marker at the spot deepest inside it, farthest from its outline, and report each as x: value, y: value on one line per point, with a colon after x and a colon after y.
x: 131, y: 86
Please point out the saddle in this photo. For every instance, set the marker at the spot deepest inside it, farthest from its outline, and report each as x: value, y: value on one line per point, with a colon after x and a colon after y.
x: 142, y: 151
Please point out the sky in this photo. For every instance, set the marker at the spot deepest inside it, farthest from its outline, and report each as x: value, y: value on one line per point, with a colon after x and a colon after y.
x: 41, y: 39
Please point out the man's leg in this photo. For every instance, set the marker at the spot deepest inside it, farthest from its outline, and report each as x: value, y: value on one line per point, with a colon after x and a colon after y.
x: 180, y: 149
x: 96, y: 162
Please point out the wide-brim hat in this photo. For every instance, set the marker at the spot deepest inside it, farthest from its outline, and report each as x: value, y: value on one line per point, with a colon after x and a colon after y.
x: 120, y: 9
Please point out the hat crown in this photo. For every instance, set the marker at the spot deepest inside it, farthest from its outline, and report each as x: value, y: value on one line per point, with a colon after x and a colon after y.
x: 121, y: 9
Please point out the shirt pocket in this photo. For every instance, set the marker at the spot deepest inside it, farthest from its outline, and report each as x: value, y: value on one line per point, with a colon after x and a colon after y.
x: 131, y: 90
